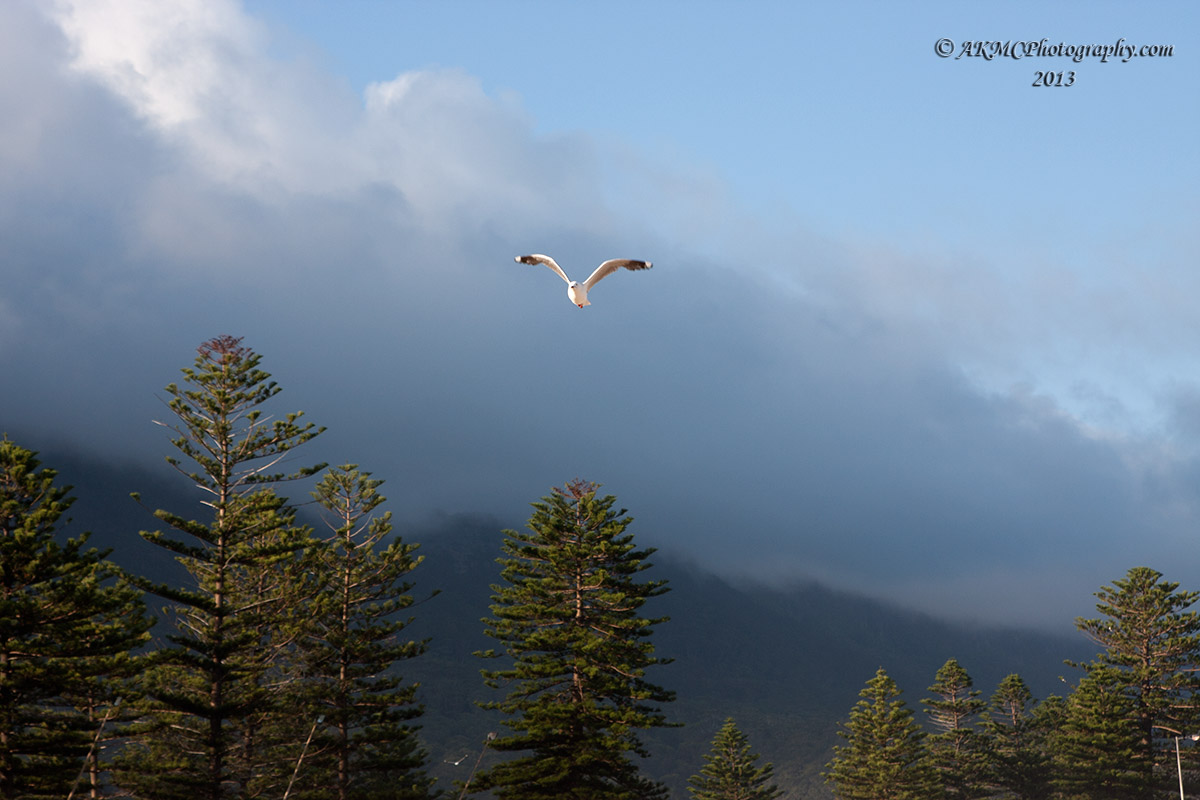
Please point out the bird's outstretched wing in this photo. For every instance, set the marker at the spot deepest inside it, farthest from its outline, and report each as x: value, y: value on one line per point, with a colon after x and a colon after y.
x: 538, y: 258
x: 611, y: 266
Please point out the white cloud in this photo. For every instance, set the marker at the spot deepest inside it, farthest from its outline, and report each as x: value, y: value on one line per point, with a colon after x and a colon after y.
x: 169, y: 61
x: 197, y: 73
x: 454, y: 156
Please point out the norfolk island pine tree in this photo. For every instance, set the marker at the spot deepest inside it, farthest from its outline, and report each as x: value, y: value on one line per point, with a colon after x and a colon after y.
x: 209, y: 692
x: 569, y: 618
x: 69, y: 621
x: 730, y: 771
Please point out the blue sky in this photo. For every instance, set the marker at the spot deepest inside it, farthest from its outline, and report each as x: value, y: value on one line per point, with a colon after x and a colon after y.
x: 840, y: 120
x: 916, y: 328
x: 781, y: 99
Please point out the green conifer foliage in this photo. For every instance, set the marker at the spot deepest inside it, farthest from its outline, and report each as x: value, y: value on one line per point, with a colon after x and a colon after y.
x: 213, y: 690
x: 68, y: 621
x: 884, y: 757
x: 1019, y: 762
x: 569, y: 617
x: 1153, y: 641
x: 730, y: 771
x: 1096, y: 749
x: 956, y: 749
x: 364, y: 746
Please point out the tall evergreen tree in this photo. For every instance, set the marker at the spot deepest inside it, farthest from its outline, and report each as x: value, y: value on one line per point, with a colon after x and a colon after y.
x: 212, y: 687
x: 365, y: 746
x: 278, y: 591
x: 884, y: 757
x: 1019, y: 763
x: 956, y: 750
x: 730, y: 771
x: 1153, y: 640
x: 68, y: 623
x: 570, y: 619
x: 1096, y: 749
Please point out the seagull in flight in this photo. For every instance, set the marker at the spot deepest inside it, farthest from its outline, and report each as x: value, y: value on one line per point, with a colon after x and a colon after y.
x: 578, y: 292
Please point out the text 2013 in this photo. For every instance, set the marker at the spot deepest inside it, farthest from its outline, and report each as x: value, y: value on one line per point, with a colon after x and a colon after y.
x: 1054, y: 78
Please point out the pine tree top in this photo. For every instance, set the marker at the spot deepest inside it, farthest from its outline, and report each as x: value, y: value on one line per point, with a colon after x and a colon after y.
x: 730, y: 771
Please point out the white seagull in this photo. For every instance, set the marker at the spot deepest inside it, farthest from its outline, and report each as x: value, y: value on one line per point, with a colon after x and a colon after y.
x: 578, y: 292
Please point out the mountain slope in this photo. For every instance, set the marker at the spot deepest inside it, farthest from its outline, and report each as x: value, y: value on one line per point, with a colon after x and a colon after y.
x: 787, y: 664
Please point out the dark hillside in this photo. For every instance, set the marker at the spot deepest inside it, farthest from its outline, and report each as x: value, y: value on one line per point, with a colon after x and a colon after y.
x: 787, y: 664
